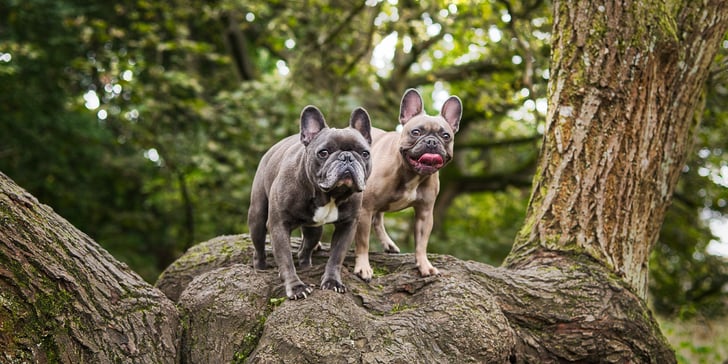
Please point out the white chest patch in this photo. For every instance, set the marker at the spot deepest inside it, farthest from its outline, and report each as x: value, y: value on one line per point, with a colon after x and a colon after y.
x: 326, y: 213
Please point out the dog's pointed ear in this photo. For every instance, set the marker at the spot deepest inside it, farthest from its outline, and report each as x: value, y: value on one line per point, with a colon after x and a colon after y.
x: 452, y: 111
x: 360, y: 121
x: 312, y: 122
x: 411, y: 106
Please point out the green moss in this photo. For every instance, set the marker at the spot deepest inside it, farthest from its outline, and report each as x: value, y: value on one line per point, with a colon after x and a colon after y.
x: 251, y: 339
x: 379, y: 271
x: 399, y: 307
x: 36, y: 324
x: 275, y: 302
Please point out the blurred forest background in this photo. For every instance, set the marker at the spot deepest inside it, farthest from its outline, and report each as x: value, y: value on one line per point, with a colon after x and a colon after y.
x: 142, y: 122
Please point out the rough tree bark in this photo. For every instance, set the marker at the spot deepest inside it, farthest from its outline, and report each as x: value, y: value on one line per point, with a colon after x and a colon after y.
x: 625, y: 83
x: 623, y: 108
x: 560, y: 308
x: 63, y: 299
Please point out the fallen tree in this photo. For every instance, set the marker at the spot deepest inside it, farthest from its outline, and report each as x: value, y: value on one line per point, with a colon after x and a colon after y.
x: 64, y: 299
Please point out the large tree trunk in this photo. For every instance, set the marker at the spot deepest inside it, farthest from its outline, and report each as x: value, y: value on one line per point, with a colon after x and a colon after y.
x: 65, y: 299
x: 623, y: 108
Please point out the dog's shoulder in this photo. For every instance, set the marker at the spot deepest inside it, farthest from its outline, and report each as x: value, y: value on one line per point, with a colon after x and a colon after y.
x: 380, y: 136
x: 377, y: 133
x: 279, y: 162
x: 286, y: 147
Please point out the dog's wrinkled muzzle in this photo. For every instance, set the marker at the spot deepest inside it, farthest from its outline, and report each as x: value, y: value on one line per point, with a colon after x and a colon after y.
x: 344, y: 172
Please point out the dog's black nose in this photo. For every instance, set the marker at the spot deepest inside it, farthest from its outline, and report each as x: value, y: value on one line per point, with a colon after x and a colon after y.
x: 431, y: 142
x: 346, y: 157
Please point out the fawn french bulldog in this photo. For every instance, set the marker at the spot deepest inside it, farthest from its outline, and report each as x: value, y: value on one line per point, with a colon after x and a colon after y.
x: 404, y: 174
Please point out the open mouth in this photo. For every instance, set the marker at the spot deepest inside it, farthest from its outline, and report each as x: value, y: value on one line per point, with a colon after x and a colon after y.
x: 426, y: 163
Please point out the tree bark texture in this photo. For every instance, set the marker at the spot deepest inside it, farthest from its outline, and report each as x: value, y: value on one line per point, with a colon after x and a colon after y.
x: 557, y: 308
x: 63, y: 299
x: 626, y: 77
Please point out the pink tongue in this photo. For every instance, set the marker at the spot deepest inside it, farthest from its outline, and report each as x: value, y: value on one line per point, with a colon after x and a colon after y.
x: 430, y: 159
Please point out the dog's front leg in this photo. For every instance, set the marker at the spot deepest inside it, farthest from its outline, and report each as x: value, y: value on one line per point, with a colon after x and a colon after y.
x: 423, y: 228
x: 361, y: 248
x: 340, y: 241
x: 280, y: 237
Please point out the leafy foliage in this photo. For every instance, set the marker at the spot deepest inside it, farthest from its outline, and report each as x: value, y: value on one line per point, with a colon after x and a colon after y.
x: 142, y: 122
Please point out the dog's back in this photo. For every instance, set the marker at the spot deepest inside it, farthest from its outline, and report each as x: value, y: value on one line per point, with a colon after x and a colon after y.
x: 285, y: 151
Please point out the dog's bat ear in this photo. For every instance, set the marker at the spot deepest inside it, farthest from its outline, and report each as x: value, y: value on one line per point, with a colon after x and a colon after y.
x: 452, y: 111
x: 360, y: 121
x: 312, y: 122
x: 411, y: 106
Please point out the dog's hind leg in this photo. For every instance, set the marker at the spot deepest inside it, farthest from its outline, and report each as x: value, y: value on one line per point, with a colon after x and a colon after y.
x: 387, y: 244
x: 257, y: 219
x: 311, y: 238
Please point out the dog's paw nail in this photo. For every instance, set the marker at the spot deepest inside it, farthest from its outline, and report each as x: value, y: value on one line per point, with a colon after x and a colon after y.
x: 363, y: 278
x: 333, y: 285
x: 300, y: 292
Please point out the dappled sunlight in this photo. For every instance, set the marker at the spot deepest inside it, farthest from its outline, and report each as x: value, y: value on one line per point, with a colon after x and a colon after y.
x: 143, y: 123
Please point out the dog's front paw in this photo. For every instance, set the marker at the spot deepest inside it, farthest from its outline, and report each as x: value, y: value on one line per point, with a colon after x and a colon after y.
x: 427, y: 270
x: 298, y: 291
x: 390, y: 248
x: 260, y: 264
x: 363, y: 270
x: 333, y: 285
x: 304, y: 263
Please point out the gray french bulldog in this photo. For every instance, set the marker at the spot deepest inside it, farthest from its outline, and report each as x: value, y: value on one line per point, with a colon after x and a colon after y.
x: 405, y: 174
x: 308, y: 180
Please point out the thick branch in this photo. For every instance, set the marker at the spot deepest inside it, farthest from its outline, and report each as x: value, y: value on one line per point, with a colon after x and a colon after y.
x: 65, y: 299
x: 498, y: 143
x: 475, y: 68
x: 559, y: 308
x: 236, y: 42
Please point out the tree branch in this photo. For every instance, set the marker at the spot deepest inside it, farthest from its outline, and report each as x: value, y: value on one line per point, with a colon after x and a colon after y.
x: 343, y: 24
x: 235, y: 40
x: 498, y: 143
x: 459, y: 72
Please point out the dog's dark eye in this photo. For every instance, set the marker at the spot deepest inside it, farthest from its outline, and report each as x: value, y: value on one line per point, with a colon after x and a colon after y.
x: 415, y: 132
x: 365, y: 154
x: 323, y: 153
x: 446, y: 136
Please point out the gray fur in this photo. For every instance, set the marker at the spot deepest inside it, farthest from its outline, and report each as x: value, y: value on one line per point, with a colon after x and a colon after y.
x: 308, y: 180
